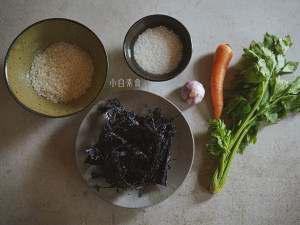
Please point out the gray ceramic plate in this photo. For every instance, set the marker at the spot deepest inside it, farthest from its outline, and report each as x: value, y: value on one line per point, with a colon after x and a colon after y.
x: 182, y: 150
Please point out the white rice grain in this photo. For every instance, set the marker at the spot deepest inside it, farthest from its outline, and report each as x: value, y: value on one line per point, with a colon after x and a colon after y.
x: 158, y: 50
x: 61, y: 73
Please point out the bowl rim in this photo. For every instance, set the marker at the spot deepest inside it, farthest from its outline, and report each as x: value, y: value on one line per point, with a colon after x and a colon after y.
x: 161, y: 15
x: 19, y: 36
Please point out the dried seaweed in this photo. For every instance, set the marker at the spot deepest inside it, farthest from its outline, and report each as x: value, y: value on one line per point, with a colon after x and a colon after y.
x: 133, y: 151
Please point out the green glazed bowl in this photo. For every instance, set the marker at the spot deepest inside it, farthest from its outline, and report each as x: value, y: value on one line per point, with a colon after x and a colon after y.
x: 38, y: 37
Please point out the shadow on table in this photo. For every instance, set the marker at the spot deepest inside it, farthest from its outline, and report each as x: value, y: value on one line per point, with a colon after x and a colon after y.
x: 207, y: 163
x: 58, y: 192
x: 206, y: 169
x: 14, y: 119
x: 204, y: 164
x: 54, y: 190
x: 175, y: 97
x: 202, y: 68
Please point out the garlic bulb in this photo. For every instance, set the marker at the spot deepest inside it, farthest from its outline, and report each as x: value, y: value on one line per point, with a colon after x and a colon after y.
x: 192, y: 92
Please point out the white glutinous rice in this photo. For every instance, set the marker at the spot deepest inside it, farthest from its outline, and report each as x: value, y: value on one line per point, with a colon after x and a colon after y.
x: 158, y: 50
x: 61, y: 73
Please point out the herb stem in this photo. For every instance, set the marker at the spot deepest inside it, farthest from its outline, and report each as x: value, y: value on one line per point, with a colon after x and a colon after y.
x: 220, y: 178
x: 246, y: 121
x: 236, y: 147
x: 222, y: 164
x: 280, y: 98
x: 223, y: 170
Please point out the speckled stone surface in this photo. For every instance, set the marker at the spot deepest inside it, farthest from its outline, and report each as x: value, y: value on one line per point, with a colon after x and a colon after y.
x: 39, y: 180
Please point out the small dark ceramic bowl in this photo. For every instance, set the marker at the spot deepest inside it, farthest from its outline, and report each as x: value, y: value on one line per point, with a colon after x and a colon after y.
x: 38, y: 37
x: 150, y: 22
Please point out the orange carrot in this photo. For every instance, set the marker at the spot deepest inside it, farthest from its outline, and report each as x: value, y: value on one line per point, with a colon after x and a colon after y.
x: 222, y: 58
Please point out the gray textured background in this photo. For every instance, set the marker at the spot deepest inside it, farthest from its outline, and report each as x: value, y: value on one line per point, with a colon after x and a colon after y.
x: 39, y: 180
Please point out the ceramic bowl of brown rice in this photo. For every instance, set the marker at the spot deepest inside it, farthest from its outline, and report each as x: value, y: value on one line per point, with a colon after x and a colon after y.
x: 56, y: 67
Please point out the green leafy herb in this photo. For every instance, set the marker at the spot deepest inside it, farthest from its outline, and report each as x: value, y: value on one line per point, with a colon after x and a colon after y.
x: 260, y: 95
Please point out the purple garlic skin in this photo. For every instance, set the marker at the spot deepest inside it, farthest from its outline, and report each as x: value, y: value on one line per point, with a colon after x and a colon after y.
x: 192, y: 92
